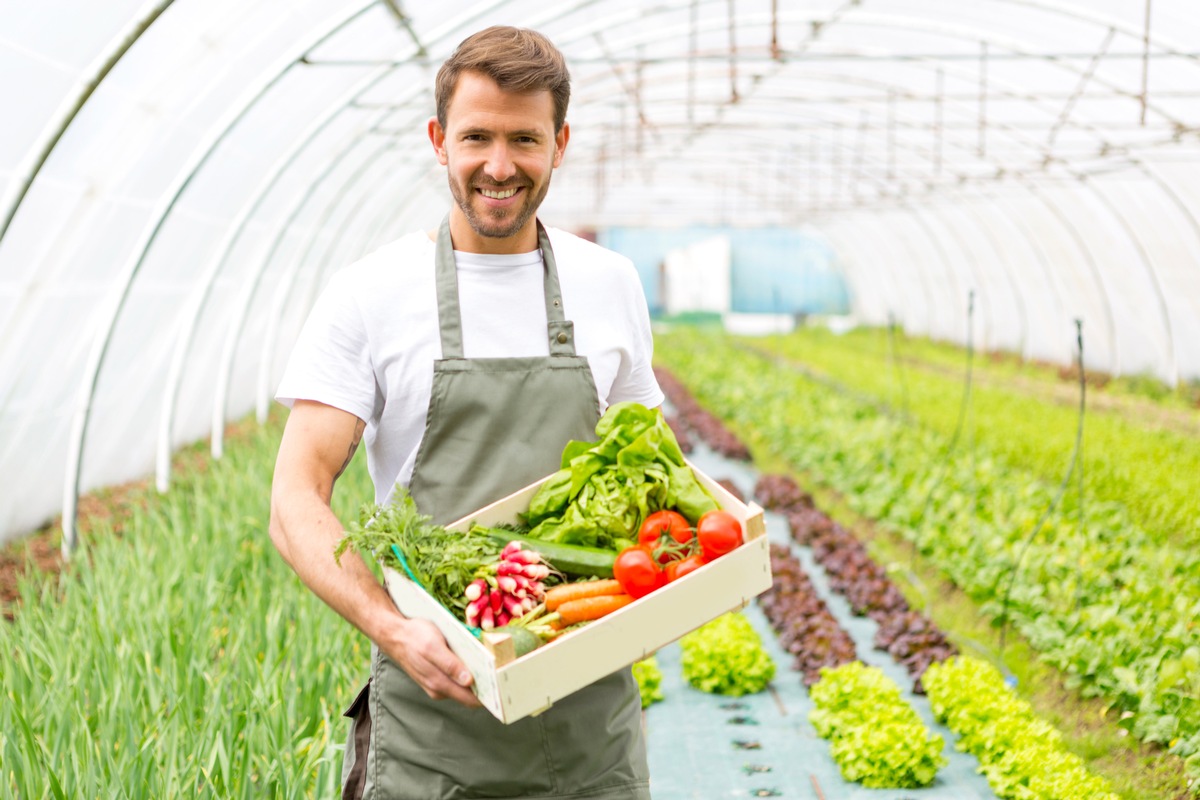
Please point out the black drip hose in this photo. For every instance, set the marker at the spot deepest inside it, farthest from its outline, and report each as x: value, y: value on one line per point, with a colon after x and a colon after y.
x: 1062, y: 489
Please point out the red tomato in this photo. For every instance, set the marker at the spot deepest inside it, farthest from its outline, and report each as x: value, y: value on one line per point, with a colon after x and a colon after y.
x: 677, y: 569
x: 637, y: 572
x: 718, y: 532
x: 669, y: 525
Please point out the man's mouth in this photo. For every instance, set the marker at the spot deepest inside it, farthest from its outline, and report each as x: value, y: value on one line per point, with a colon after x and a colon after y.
x: 499, y: 194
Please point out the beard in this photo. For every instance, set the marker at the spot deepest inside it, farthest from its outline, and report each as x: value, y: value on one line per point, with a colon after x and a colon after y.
x: 500, y: 223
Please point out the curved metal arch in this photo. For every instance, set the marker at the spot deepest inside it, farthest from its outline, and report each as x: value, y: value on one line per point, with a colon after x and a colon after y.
x: 1155, y: 281
x: 28, y: 169
x: 250, y: 287
x: 1097, y: 274
x: 147, y: 237
x: 1039, y: 254
x: 282, y: 295
x: 859, y: 246
x: 216, y: 263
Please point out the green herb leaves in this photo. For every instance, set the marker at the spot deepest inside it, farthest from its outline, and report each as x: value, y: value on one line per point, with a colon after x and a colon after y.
x: 442, y: 561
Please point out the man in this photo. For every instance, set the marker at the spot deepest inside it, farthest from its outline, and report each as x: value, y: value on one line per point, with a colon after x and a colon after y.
x: 453, y: 355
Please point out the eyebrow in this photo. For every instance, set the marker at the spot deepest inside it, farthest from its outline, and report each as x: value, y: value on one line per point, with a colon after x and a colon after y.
x: 526, y: 132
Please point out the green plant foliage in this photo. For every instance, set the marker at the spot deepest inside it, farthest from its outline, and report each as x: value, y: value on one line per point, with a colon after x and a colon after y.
x: 181, y: 658
x: 649, y: 680
x: 1110, y: 605
x: 876, y: 738
x: 1021, y: 755
x: 727, y: 657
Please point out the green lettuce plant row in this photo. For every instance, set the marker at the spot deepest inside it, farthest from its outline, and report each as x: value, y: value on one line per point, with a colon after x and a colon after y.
x: 1022, y: 756
x: 1104, y: 602
x: 876, y: 738
x: 726, y: 656
x: 1142, y: 464
x: 649, y: 680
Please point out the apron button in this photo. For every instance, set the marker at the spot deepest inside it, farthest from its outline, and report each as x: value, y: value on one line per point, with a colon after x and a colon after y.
x: 562, y: 338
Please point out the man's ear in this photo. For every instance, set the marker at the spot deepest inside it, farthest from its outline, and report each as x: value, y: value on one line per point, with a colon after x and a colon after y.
x: 437, y: 137
x: 560, y: 143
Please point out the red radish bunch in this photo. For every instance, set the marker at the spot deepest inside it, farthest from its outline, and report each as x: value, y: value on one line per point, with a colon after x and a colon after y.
x: 508, y: 589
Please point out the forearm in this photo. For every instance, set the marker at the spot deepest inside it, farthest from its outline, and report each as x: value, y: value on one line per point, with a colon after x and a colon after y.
x: 306, y: 532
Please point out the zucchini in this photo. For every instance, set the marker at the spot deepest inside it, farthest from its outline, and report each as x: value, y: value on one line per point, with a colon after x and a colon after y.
x: 569, y: 559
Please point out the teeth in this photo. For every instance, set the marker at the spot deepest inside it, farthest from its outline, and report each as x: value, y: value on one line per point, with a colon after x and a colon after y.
x: 501, y: 195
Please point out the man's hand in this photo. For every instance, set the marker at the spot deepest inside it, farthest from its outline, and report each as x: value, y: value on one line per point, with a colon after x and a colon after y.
x: 422, y: 653
x: 318, y: 443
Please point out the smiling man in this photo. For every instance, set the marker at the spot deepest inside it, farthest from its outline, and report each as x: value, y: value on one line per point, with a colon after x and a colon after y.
x: 467, y: 357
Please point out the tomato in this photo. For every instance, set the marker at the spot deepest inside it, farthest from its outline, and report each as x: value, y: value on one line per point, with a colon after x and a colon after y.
x: 718, y: 532
x: 637, y: 571
x: 670, y: 526
x: 677, y: 569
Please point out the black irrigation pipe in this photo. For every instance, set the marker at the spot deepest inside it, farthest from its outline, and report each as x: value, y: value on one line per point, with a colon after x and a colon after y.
x: 1062, y: 489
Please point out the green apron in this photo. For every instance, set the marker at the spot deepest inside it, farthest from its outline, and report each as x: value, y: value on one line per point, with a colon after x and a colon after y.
x: 494, y: 426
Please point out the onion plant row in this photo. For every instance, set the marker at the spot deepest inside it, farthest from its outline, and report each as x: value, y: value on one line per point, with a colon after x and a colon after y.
x: 180, y: 657
x: 1111, y: 606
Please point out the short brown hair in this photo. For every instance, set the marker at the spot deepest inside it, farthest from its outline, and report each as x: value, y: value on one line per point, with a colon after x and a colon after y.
x: 517, y: 59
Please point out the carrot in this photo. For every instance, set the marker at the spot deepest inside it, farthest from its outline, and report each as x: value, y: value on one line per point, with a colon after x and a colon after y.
x: 577, y: 591
x: 589, y: 608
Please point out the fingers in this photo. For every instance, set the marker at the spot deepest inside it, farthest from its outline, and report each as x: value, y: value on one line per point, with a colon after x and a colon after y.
x: 424, y: 655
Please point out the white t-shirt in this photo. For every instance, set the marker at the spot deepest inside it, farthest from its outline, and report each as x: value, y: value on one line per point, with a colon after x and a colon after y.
x: 369, y: 343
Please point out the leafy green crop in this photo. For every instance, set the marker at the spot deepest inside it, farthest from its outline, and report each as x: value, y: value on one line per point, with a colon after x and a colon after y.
x: 442, y: 561
x: 1021, y: 755
x: 607, y: 487
x: 877, y: 739
x: 649, y: 680
x: 726, y: 656
x: 1104, y: 601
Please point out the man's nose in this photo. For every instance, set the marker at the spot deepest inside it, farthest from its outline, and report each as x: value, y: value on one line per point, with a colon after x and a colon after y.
x: 500, y: 166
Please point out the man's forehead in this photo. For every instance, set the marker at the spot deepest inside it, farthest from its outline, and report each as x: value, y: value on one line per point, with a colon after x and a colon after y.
x: 478, y: 101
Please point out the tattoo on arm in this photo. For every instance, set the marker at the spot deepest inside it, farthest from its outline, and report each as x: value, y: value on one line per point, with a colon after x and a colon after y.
x: 358, y: 432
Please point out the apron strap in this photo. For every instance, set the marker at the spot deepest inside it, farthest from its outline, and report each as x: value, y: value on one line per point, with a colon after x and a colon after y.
x: 561, y: 331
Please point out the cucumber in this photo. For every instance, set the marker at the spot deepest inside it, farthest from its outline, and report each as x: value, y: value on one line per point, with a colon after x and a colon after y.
x: 570, y: 559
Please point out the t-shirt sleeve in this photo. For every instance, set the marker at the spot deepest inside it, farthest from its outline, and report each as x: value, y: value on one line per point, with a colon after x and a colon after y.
x: 331, y: 360
x: 635, y: 379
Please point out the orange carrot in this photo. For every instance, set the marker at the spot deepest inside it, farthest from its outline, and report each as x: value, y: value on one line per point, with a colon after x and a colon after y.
x: 577, y: 591
x: 589, y: 608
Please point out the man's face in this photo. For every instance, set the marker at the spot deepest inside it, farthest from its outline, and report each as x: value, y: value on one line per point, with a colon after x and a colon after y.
x: 499, y: 149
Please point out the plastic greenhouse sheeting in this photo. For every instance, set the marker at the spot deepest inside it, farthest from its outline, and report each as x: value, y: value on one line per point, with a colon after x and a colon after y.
x: 179, y: 179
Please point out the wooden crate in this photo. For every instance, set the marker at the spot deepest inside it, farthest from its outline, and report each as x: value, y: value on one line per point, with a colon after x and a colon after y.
x: 513, y: 688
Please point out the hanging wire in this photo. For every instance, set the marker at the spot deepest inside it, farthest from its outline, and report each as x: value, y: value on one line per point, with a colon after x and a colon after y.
x: 943, y: 464
x: 1062, y: 489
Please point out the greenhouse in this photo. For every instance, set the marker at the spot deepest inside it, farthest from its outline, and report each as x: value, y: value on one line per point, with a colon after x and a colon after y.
x: 915, y: 283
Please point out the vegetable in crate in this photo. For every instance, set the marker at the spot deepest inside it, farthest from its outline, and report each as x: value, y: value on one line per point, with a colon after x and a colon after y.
x: 443, y: 562
x: 506, y: 590
x: 606, y: 488
x: 726, y: 656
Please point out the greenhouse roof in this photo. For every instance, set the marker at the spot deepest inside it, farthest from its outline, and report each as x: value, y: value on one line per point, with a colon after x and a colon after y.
x: 178, y: 179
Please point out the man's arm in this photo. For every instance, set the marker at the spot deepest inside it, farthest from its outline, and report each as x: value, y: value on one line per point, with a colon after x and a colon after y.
x: 318, y: 443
